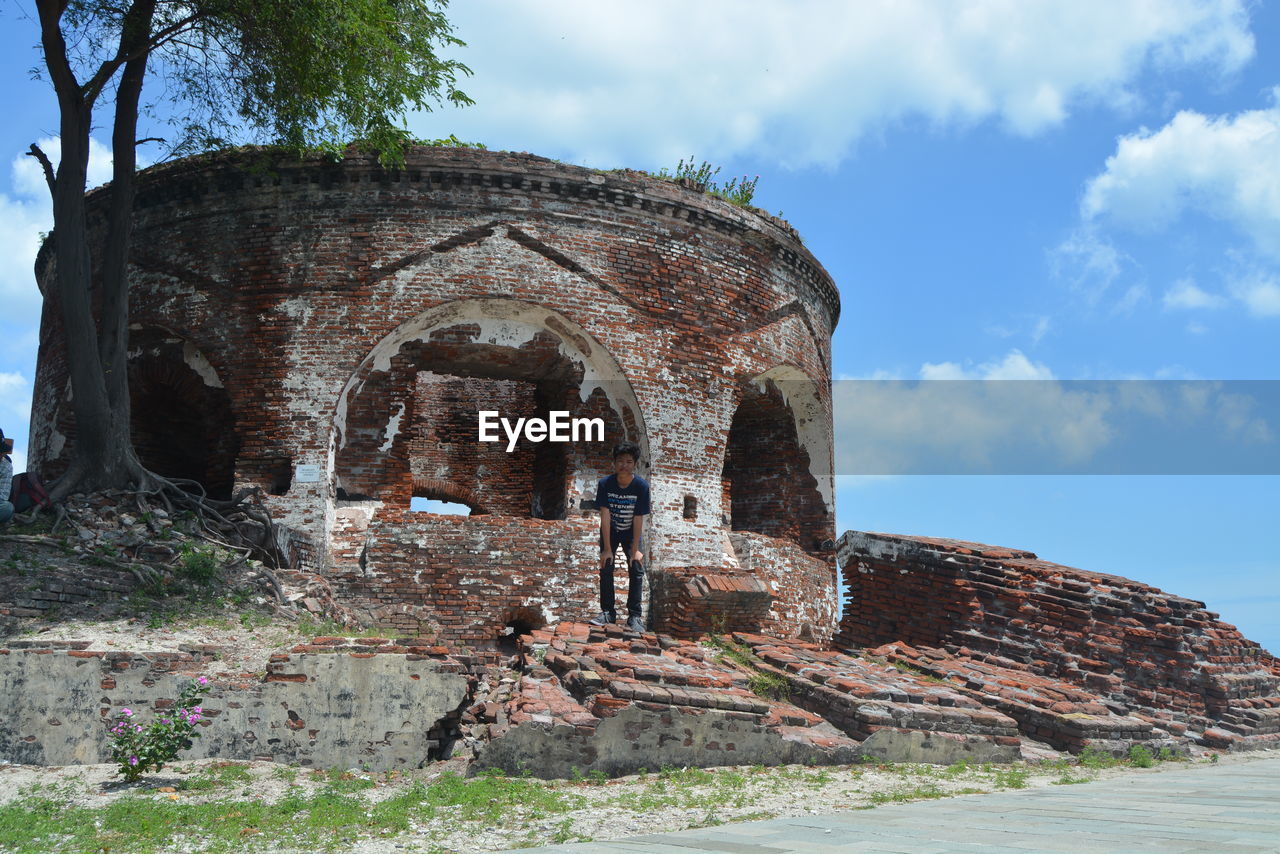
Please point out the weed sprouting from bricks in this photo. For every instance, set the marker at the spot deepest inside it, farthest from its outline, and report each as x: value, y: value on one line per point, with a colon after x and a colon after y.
x: 138, y: 748
x: 702, y: 178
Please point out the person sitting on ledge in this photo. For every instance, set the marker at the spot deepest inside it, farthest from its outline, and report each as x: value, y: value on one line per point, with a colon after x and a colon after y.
x: 6, y: 479
x: 623, y: 501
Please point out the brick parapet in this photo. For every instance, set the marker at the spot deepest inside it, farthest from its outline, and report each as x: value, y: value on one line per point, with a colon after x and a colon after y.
x: 231, y: 177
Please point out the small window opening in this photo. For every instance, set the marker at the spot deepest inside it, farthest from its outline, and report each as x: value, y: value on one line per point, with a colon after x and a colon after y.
x: 280, y: 473
x: 444, y: 508
x: 690, y: 507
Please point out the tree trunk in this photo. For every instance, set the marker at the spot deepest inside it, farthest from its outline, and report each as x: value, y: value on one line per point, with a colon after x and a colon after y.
x: 103, y: 452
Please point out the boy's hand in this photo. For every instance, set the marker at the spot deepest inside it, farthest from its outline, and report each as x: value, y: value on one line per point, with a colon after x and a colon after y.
x: 637, y: 556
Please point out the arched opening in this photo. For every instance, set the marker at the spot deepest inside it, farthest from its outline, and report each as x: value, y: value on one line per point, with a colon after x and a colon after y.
x: 181, y: 423
x: 410, y: 421
x: 768, y: 484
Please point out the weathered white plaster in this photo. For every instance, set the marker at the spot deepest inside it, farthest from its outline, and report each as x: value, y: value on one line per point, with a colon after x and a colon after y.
x: 197, y: 362
x: 393, y: 428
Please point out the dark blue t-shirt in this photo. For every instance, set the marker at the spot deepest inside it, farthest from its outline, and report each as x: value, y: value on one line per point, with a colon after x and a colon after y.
x: 624, y: 502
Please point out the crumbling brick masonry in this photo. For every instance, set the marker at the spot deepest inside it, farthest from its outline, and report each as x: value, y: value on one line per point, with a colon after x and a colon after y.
x: 328, y: 332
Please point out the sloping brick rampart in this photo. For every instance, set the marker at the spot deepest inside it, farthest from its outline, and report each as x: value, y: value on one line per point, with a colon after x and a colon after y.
x: 348, y: 322
x: 1060, y: 649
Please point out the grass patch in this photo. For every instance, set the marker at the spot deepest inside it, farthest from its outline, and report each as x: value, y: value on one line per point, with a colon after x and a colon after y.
x: 1095, y: 758
x: 770, y: 686
x: 344, y: 782
x: 1010, y: 778
x: 217, y: 776
x: 198, y: 564
x: 702, y: 176
x: 928, y: 791
x: 330, y: 820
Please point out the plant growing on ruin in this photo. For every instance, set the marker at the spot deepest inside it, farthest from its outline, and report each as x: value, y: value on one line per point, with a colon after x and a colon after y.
x: 702, y: 178
x: 305, y: 73
x: 138, y: 748
x: 198, y: 564
x: 1141, y: 757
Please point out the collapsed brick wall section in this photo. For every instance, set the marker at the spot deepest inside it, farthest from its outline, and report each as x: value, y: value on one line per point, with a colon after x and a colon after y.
x: 1004, y: 617
x: 316, y: 292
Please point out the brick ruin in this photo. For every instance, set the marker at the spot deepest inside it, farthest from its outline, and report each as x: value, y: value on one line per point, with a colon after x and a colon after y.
x: 328, y: 332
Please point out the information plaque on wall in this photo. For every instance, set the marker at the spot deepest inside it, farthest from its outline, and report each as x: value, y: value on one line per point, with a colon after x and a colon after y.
x: 307, y: 474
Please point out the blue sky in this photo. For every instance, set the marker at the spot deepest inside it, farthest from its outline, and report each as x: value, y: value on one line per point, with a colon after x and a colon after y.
x: 1001, y: 190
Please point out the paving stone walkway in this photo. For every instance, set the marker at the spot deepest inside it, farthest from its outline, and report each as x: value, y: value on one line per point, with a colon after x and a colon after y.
x: 1232, y: 808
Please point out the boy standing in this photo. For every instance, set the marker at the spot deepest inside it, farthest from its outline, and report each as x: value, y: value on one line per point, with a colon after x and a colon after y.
x: 623, y: 501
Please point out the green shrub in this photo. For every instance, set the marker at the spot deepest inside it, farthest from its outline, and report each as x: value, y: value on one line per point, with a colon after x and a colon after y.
x: 1141, y: 757
x: 197, y: 564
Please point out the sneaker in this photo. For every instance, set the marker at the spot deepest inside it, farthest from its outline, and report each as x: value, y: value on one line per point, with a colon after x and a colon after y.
x: 604, y: 619
x: 635, y: 623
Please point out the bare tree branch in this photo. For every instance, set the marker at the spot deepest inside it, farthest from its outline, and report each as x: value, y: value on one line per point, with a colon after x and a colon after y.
x: 36, y: 152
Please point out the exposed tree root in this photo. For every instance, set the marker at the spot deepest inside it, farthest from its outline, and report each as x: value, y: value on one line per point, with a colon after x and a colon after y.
x: 240, y: 525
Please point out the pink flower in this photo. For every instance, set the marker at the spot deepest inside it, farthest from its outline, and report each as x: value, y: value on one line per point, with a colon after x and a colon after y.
x: 133, y: 760
x: 203, y: 680
x: 126, y: 713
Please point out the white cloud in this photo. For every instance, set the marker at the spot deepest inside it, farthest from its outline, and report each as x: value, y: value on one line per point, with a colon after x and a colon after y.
x: 1185, y: 293
x: 1014, y: 366
x: 1089, y: 263
x: 1043, y: 324
x: 967, y: 423
x: 24, y: 214
x: 968, y: 416
x: 1227, y: 167
x: 21, y: 223
x: 1134, y: 296
x: 15, y: 413
x: 803, y: 81
x: 1260, y: 293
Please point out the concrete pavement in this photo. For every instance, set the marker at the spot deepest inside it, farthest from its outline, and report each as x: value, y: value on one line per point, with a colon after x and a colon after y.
x: 1230, y: 808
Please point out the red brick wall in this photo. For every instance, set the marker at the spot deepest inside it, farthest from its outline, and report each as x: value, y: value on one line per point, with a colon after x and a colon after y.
x: 465, y: 578
x: 1117, y: 638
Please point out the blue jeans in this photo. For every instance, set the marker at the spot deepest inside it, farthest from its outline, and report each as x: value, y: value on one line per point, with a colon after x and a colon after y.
x: 635, y: 580
x: 6, y: 512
